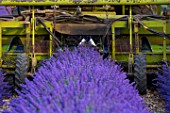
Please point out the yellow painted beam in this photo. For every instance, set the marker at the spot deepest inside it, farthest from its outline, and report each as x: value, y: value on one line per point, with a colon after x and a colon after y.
x: 82, y: 2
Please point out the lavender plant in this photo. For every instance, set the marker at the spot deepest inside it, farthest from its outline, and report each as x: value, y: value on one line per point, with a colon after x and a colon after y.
x: 78, y: 81
x: 5, y: 11
x: 164, y: 85
x: 3, y: 87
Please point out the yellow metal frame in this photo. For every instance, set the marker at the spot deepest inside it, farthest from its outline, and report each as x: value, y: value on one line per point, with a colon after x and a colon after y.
x: 114, y: 25
x: 164, y: 44
x: 83, y: 2
x: 28, y: 33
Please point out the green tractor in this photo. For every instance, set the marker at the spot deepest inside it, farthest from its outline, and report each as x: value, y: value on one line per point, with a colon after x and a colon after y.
x: 134, y: 33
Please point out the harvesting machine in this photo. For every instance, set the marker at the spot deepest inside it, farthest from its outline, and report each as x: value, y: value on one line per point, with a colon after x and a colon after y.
x: 134, y: 33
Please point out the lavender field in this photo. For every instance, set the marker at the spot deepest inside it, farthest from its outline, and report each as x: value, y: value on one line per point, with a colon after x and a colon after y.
x: 78, y: 81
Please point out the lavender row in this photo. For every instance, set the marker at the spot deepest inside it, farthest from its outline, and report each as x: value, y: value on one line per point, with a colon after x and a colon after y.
x: 4, y: 88
x: 164, y: 85
x: 78, y: 81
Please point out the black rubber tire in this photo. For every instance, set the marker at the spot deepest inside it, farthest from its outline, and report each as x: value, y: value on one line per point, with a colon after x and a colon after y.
x: 140, y: 77
x: 22, y: 65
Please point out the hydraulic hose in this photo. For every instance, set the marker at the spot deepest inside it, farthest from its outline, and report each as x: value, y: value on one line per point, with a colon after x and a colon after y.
x: 42, y: 23
x: 151, y: 30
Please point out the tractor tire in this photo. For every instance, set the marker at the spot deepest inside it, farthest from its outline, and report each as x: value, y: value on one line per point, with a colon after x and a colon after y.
x: 22, y: 66
x: 140, y: 77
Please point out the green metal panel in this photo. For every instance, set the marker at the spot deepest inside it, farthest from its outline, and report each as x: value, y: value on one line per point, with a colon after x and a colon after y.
x: 122, y: 57
x: 19, y: 28
x: 156, y: 25
x: 82, y: 2
x: 21, y: 31
x: 151, y: 57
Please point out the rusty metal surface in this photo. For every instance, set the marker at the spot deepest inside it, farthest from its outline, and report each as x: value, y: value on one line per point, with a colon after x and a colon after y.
x: 81, y: 29
x: 41, y: 46
x: 123, y: 45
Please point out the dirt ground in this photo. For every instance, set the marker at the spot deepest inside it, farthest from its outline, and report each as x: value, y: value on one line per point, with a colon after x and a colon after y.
x: 154, y: 102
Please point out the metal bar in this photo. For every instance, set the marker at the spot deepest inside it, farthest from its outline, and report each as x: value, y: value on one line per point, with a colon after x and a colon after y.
x: 54, y: 31
x: 113, y: 41
x: 130, y: 60
x: 136, y: 29
x: 154, y: 24
x: 12, y: 24
x: 7, y: 66
x: 153, y: 66
x: 0, y: 46
x: 33, y: 41
x: 28, y: 37
x: 123, y: 10
x: 164, y: 44
x: 120, y: 24
x: 51, y: 43
x: 83, y: 2
x: 147, y: 53
x: 33, y: 30
x: 130, y: 32
x: 15, y: 54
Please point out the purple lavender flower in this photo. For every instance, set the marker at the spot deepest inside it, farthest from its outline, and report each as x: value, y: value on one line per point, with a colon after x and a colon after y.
x: 5, y: 10
x: 164, y: 85
x: 78, y: 81
x: 3, y: 88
